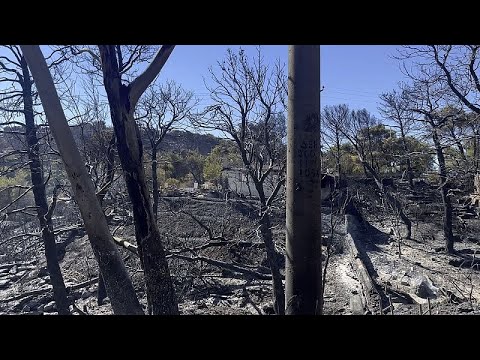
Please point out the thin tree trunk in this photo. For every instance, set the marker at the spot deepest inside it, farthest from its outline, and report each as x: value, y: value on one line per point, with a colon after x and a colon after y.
x: 460, y: 147
x: 267, y: 237
x: 155, y: 182
x: 101, y: 290
x: 339, y: 168
x: 159, y: 286
x: 45, y: 219
x: 444, y: 187
x: 117, y: 281
x: 278, y: 292
x: 409, y: 164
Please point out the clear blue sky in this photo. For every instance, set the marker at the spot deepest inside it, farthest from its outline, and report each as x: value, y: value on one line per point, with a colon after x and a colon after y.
x: 351, y: 74
x: 354, y: 74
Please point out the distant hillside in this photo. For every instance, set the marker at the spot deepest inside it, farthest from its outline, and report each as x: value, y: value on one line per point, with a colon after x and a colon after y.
x: 176, y: 141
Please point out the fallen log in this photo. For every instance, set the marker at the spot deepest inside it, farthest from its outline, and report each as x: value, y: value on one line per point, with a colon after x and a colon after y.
x: 372, y: 300
x: 224, y: 265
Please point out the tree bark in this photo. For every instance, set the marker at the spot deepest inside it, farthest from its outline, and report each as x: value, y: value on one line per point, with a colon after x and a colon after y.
x: 339, y: 166
x: 39, y: 194
x: 278, y: 292
x: 159, y: 286
x: 117, y: 281
x: 444, y: 188
x: 155, y: 182
x: 101, y: 291
x: 409, y: 164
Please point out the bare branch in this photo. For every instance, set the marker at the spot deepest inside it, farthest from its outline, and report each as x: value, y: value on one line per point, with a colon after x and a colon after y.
x: 139, y: 85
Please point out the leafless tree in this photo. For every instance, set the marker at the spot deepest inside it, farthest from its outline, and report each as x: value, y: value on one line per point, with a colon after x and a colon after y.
x: 17, y: 101
x: 123, y: 99
x: 333, y: 118
x: 118, y: 284
x: 248, y: 107
x: 161, y: 109
x: 427, y: 97
x: 353, y: 130
x: 394, y: 107
x: 456, y: 66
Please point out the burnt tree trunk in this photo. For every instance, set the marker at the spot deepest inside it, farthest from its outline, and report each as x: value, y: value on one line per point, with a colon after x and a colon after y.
x: 155, y: 182
x: 272, y: 255
x: 409, y: 163
x: 460, y: 147
x: 119, y: 285
x: 338, y: 162
x: 444, y: 188
x: 159, y: 286
x: 101, y: 290
x: 39, y: 194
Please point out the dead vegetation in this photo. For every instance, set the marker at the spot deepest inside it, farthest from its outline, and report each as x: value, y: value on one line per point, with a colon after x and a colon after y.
x: 219, y: 266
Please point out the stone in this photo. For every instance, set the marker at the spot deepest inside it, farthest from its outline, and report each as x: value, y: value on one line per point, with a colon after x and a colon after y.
x: 424, y: 287
x: 13, y: 270
x: 405, y: 281
x: 26, y: 308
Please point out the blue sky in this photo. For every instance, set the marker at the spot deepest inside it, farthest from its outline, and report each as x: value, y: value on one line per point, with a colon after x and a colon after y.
x: 351, y: 74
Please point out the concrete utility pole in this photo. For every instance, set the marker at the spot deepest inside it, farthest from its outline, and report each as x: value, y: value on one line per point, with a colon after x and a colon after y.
x: 303, y: 259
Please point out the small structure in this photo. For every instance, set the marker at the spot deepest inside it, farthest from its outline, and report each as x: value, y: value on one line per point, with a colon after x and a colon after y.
x: 240, y: 183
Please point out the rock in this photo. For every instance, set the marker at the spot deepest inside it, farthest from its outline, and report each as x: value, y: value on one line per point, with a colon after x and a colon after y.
x: 4, y: 283
x: 41, y: 308
x: 424, y: 287
x: 26, y: 308
x: 13, y: 270
x: 85, y: 294
x: 50, y: 306
x: 405, y: 281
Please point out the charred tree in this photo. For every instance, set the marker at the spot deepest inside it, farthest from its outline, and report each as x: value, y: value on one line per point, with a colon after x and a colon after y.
x: 117, y: 281
x: 123, y: 100
x: 44, y: 213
